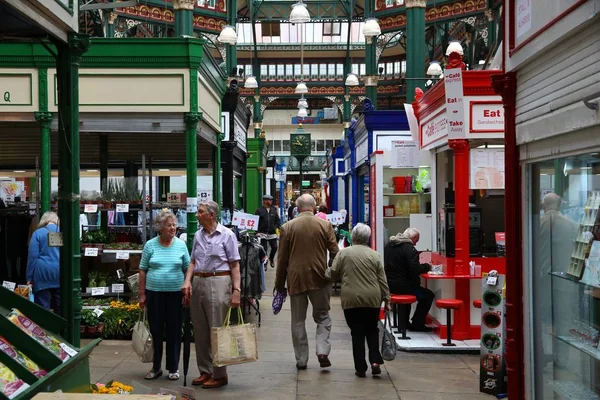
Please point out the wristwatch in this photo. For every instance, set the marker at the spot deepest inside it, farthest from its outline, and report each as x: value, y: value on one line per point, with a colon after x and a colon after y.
x: 238, y: 289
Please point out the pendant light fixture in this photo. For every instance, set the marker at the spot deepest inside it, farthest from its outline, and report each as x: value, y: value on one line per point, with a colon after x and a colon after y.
x: 434, y: 69
x: 454, y: 47
x: 251, y: 82
x: 228, y: 35
x: 299, y: 14
x: 302, y: 103
x: 352, y: 80
x: 301, y: 88
x: 302, y: 113
x: 371, y: 28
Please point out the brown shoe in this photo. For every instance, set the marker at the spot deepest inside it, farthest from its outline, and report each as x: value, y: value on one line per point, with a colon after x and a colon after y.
x: 215, y: 383
x: 199, y: 381
x: 324, y: 361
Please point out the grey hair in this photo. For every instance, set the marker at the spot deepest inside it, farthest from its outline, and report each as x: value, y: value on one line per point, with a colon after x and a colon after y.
x: 361, y: 234
x: 552, y: 201
x: 412, y: 233
x: 162, y: 218
x: 306, y: 203
x: 49, y: 217
x: 211, y: 206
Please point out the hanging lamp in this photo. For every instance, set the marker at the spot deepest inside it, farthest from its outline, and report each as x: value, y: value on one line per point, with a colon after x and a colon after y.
x: 299, y: 14
x: 434, y: 69
x: 352, y: 80
x: 251, y: 82
x: 301, y: 88
x: 371, y: 28
x: 228, y: 35
x: 302, y: 113
x: 454, y: 47
x: 302, y: 103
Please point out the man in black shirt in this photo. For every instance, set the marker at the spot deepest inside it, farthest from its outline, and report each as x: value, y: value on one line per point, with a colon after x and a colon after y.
x: 403, y: 270
x: 268, y: 223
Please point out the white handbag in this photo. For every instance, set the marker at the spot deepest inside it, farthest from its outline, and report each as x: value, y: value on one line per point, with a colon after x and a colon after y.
x: 142, y: 340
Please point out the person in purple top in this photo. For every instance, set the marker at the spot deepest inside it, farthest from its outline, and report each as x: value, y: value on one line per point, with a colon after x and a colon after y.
x: 212, y: 285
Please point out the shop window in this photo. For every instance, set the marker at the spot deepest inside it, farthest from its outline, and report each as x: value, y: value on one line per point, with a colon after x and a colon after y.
x: 276, y: 145
x: 355, y: 69
x: 314, y: 71
x: 305, y: 71
x: 280, y: 71
x: 328, y: 144
x: 272, y: 72
x: 332, y: 28
x: 264, y: 71
x: 320, y: 145
x: 270, y: 29
x: 331, y: 71
x: 285, y: 145
x: 397, y: 70
x: 313, y: 145
x: 340, y: 71
x: 248, y: 69
x: 323, y: 71
x: 362, y: 69
x: 271, y: 145
x: 289, y: 72
x: 565, y: 280
x: 297, y: 70
x: 390, y: 3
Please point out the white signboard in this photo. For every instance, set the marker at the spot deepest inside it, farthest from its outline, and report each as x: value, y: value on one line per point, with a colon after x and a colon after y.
x: 486, y: 117
x: 9, y: 285
x: 225, y: 125
x: 487, y: 169
x: 434, y: 129
x: 362, y: 151
x: 118, y: 288
x: 122, y: 208
x: 192, y: 204
x: 412, y: 121
x: 11, y: 189
x: 90, y: 208
x: 90, y: 252
x: 523, y: 11
x: 455, y: 108
x: 336, y: 218
x: 204, y: 195
x: 239, y: 133
x: 97, y: 291
x: 245, y: 221
x: 405, y: 154
x: 122, y: 255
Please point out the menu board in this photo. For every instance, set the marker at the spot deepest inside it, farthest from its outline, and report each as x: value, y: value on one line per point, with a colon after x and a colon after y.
x: 486, y: 169
x: 405, y: 154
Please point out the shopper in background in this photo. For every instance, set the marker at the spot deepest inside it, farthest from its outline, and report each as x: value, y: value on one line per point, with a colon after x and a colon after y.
x: 162, y: 270
x: 403, y: 270
x: 301, y: 261
x: 290, y: 211
x: 364, y: 288
x: 322, y: 213
x: 268, y: 223
x: 43, y: 264
x: 212, y: 284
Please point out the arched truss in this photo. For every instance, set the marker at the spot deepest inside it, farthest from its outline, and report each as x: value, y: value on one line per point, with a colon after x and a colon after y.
x: 212, y: 38
x: 384, y: 40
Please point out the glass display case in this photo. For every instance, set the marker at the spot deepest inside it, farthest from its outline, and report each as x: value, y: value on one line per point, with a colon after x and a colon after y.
x: 565, y: 277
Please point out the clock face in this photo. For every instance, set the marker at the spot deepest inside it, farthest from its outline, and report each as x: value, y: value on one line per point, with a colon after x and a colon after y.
x: 300, y: 143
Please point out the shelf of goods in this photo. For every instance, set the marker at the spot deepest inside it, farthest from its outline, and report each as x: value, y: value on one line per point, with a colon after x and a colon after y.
x: 588, y: 227
x: 33, y: 356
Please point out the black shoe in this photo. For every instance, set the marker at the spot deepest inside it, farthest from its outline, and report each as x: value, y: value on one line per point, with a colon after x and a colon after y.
x: 419, y: 328
x: 324, y: 361
x: 300, y: 367
x: 272, y: 263
x: 360, y: 374
x: 376, y: 369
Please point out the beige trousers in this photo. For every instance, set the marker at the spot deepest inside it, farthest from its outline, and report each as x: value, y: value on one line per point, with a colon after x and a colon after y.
x: 209, y: 305
x: 319, y: 299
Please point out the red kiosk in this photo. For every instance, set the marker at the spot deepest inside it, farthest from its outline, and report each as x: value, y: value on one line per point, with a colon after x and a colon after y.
x: 462, y: 180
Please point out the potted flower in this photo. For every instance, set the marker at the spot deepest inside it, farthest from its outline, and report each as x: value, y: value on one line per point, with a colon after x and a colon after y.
x: 92, y: 325
x: 85, y: 318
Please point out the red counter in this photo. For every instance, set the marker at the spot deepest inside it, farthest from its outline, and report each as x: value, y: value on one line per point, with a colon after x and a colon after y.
x: 463, y: 327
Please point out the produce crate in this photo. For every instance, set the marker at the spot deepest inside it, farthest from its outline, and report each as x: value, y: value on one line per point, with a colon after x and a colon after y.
x: 72, y: 375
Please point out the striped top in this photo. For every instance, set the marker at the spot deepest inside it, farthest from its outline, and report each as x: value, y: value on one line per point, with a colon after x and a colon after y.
x: 165, y: 266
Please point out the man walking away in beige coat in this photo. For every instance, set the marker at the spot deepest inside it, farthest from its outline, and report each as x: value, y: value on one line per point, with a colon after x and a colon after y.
x: 302, y: 261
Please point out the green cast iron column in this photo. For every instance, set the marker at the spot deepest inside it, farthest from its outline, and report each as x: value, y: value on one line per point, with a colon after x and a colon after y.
x: 45, y: 119
x: 69, y: 56
x: 104, y: 177
x: 191, y: 157
x: 371, y: 58
x: 231, y: 49
x: 257, y: 117
x: 415, y: 47
x: 217, y: 173
x: 110, y: 18
x: 184, y: 17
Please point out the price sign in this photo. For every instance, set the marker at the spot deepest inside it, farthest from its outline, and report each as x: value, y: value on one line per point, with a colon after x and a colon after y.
x: 68, y: 350
x: 118, y: 288
x: 32, y: 206
x: 252, y: 223
x: 55, y: 239
x: 90, y: 208
x: 245, y: 221
x: 235, y: 221
x: 97, y: 312
x: 9, y: 285
x: 204, y: 195
x: 192, y: 204
x: 122, y: 255
x: 97, y: 291
x: 338, y: 217
x: 91, y: 252
x: 122, y: 208
x: 492, y: 280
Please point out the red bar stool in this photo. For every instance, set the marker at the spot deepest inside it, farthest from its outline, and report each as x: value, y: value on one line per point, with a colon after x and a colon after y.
x: 477, y: 303
x: 403, y: 302
x: 448, y: 305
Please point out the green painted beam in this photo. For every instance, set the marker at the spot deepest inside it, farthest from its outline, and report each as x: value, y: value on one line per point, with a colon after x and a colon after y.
x: 415, y: 48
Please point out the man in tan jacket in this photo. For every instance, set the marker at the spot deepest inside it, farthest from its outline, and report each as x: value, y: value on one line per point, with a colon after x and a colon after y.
x: 302, y: 260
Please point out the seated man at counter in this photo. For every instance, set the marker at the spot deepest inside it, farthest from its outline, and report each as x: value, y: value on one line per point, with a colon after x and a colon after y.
x: 403, y: 270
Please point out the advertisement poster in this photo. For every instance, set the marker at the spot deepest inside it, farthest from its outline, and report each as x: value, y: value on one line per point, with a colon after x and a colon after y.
x: 486, y: 169
x: 405, y: 154
x: 11, y: 189
x: 455, y: 108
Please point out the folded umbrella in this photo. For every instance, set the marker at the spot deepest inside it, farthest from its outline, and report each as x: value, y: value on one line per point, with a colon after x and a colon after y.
x: 187, y: 338
x: 278, y: 300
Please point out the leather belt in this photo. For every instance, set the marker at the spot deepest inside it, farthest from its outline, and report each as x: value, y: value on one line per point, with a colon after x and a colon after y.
x: 214, y: 273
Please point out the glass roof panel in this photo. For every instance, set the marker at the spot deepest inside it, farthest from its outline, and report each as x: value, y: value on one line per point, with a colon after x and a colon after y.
x: 312, y: 32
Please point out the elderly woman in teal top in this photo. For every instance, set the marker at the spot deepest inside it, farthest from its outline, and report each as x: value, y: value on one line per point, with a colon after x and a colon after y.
x: 164, y: 262
x: 43, y: 264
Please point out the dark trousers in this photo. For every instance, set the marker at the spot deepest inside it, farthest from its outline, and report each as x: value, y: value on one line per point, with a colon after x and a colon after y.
x: 165, y: 308
x: 48, y: 298
x: 363, y: 323
x: 424, y: 300
x: 273, y: 244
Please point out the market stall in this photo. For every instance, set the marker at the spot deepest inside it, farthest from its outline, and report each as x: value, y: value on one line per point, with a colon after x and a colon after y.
x: 461, y: 124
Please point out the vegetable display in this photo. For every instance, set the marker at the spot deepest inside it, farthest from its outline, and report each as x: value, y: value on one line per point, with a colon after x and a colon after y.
x: 21, y: 358
x: 10, y: 385
x: 47, y: 340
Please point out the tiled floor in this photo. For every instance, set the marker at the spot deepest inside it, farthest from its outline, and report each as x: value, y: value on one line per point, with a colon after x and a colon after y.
x: 412, y: 376
x: 421, y: 341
